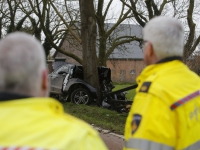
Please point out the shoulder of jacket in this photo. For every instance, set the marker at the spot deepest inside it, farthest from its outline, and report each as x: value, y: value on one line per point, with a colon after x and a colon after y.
x: 85, y: 132
x: 146, y: 84
x: 79, y: 124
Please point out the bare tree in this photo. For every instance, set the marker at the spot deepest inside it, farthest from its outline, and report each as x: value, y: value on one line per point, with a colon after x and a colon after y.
x: 109, y: 34
x: 88, y: 36
x: 4, y: 13
x: 58, y: 19
x: 17, y: 15
x: 192, y: 40
x: 30, y: 16
x: 193, y: 62
x: 55, y: 23
x: 12, y: 18
x: 186, y: 11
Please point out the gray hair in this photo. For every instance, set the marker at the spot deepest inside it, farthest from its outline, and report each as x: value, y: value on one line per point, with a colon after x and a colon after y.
x: 22, y: 61
x: 166, y: 35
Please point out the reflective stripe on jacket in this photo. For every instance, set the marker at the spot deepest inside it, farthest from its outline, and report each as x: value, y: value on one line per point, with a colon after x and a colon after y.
x: 40, y: 123
x: 165, y: 114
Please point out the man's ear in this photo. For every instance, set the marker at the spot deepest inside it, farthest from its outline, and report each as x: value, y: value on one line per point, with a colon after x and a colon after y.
x: 152, y: 54
x: 150, y: 49
x: 45, y: 80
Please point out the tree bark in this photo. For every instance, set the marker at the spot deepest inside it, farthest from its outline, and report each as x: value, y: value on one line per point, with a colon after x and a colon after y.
x: 88, y: 37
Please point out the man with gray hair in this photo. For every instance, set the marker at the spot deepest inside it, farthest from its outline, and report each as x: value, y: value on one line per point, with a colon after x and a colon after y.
x: 28, y: 120
x: 165, y: 114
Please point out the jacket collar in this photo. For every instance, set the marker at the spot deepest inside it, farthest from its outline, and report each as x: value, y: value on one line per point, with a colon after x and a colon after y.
x: 42, y: 104
x: 155, y: 68
x: 5, y: 96
x: 169, y: 59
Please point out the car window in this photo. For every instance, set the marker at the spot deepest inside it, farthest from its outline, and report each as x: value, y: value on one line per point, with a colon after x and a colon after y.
x: 63, y: 68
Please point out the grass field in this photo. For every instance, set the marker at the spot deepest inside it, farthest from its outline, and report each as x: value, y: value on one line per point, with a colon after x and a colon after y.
x: 130, y: 94
x: 101, y: 117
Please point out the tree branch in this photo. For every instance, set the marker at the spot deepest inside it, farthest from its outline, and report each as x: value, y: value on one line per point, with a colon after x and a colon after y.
x: 118, y: 42
x: 70, y: 30
x: 187, y: 48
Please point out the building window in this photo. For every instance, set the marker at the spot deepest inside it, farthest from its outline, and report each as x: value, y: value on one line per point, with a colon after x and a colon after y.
x: 132, y: 72
x: 122, y: 75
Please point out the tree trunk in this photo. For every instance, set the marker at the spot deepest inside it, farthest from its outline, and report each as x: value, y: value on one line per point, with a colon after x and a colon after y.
x: 102, y: 51
x: 88, y: 37
x: 1, y: 27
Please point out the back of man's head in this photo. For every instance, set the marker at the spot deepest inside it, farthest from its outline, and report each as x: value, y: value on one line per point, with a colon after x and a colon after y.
x: 166, y: 35
x: 22, y: 64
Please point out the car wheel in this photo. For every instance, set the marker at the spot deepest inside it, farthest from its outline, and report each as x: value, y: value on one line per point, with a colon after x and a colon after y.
x: 81, y: 96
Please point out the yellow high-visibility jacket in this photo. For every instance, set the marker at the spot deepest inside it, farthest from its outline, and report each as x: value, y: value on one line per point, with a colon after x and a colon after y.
x: 40, y: 123
x: 165, y: 114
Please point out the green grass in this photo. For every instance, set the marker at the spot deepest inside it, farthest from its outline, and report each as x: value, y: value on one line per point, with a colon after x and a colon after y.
x: 100, y: 117
x: 130, y: 94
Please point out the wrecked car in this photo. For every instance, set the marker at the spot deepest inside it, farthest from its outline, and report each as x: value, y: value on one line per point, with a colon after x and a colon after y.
x: 66, y: 83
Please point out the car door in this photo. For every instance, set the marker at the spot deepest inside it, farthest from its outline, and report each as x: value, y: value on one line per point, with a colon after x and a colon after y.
x: 57, y: 77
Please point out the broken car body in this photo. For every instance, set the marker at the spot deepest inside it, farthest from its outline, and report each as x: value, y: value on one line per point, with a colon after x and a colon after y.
x: 66, y: 83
